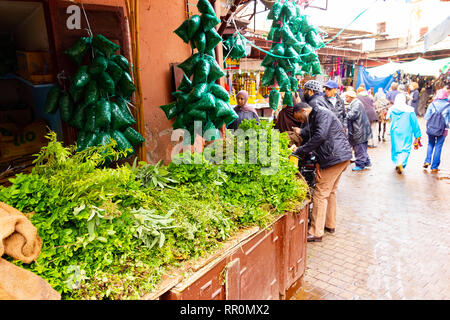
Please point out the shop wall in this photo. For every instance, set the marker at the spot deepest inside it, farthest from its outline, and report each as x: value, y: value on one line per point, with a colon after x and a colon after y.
x: 159, y: 47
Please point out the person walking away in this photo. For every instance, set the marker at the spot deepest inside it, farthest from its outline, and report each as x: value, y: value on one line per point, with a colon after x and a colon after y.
x: 334, y: 101
x: 438, y: 122
x: 243, y: 110
x: 381, y: 106
x: 414, y: 87
x: 392, y: 93
x: 404, y: 126
x: 331, y: 147
x: 369, y: 108
x: 359, y: 131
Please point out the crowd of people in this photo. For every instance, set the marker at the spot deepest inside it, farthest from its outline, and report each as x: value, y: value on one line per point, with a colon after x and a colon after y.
x: 337, y: 127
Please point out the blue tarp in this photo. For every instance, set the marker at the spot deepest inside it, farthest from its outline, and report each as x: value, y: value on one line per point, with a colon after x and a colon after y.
x: 373, y: 82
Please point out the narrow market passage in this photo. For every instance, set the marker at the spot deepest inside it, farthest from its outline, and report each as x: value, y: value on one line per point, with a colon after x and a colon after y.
x: 391, y: 239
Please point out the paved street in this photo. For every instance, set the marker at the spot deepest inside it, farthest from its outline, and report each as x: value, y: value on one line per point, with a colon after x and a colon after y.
x: 392, y: 238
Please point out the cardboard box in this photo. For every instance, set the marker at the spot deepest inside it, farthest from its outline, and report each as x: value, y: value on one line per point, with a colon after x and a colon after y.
x: 17, y: 141
x: 34, y: 66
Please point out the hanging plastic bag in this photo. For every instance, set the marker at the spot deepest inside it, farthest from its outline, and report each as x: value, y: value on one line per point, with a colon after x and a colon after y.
x: 76, y: 93
x: 294, y: 84
x: 188, y: 65
x: 212, y: 39
x: 106, y: 83
x: 275, y: 12
x: 314, y: 40
x: 197, y: 92
x: 89, y: 125
x: 182, y: 31
x: 51, y: 102
x: 268, y: 77
x: 178, y: 123
x: 198, y: 115
x: 77, y: 51
x: 91, y: 93
x: 274, y: 98
x: 126, y: 85
x: 185, y: 84
x: 78, y: 119
x: 65, y: 106
x: 287, y: 99
x: 288, y: 10
x: 118, y: 119
x: 315, y: 68
x: 102, y: 113
x: 122, y: 142
x: 306, y: 25
x: 278, y: 49
x: 205, y: 7
x: 295, y: 25
x: 99, y: 65
x: 215, y: 72
x: 308, y: 53
x: 90, y: 139
x: 103, y: 138
x: 202, y: 69
x: 287, y: 36
x: 170, y: 110
x: 105, y: 45
x: 121, y: 62
x: 81, y: 141
x: 268, y: 61
x: 209, y: 21
x: 282, y: 77
x: 114, y: 71
x: 134, y: 137
x: 206, y: 102
x: 121, y: 103
x: 82, y: 77
x: 199, y: 41
x: 219, y: 92
x: 193, y: 25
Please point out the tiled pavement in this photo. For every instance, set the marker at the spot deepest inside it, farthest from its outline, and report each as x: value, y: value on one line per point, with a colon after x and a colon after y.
x: 392, y: 237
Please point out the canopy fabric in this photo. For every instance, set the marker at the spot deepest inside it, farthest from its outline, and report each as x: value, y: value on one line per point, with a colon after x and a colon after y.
x: 422, y: 67
x: 384, y: 70
x: 373, y: 82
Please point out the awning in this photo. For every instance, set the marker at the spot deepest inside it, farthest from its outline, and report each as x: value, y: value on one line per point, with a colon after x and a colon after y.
x: 384, y: 70
x: 423, y: 67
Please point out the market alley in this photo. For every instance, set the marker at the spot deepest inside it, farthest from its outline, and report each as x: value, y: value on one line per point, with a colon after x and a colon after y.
x: 391, y: 239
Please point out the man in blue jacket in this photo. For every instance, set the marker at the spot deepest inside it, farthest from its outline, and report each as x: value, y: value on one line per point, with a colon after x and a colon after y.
x: 329, y: 143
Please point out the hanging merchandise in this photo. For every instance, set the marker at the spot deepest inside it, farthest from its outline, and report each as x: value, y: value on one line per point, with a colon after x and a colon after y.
x: 198, y: 97
x: 234, y: 48
x: 293, y: 51
x: 96, y: 102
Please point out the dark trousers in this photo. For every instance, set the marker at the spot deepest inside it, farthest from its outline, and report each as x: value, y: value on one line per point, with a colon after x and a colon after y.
x: 361, y: 157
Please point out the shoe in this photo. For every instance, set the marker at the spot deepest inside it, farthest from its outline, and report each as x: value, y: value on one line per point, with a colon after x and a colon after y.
x: 357, y: 168
x: 312, y: 238
x: 434, y: 170
x: 399, y: 169
x: 330, y: 230
x: 379, y: 139
x: 426, y: 165
x: 369, y: 165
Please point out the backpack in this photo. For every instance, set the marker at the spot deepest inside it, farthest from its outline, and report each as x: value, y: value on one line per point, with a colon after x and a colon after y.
x: 436, y: 123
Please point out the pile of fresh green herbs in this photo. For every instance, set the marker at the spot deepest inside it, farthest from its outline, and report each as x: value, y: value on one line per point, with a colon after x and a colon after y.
x: 111, y: 233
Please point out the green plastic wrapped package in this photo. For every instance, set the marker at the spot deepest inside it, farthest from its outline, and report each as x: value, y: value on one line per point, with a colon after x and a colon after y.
x: 77, y: 51
x: 274, y: 98
x: 275, y: 12
x: 91, y: 92
x: 193, y: 25
x: 288, y: 10
x: 82, y: 77
x: 122, y: 142
x: 308, y: 53
x: 276, y: 35
x: 294, y: 83
x: 182, y: 31
x: 105, y: 45
x: 102, y: 113
x: 118, y: 119
x: 209, y: 21
x: 285, y: 64
x: 188, y: 65
x: 298, y: 46
x: 198, y: 114
x: 125, y: 110
x: 287, y: 36
x: 76, y: 93
x: 106, y: 83
x: 210, y: 132
x: 268, y: 61
x: 230, y: 117
x: 268, y: 79
x: 134, y: 137
x: 126, y: 85
x: 205, y: 7
x: 207, y: 102
x: 99, y: 65
x: 90, y: 139
x: 282, y: 77
x: 222, y: 108
x: 306, y: 67
x: 300, y: 38
x: 65, y: 106
x: 115, y: 71
x: 215, y: 72
x: 202, y: 69
x: 197, y: 92
x: 287, y: 99
x: 89, y: 125
x: 306, y: 25
x: 212, y: 39
x: 314, y: 40
x: 315, y: 68
x: 278, y: 49
x: 122, y: 62
x: 51, y: 102
x: 81, y: 141
x: 78, y: 119
x: 199, y: 41
x: 219, y: 92
x: 170, y: 110
x: 295, y: 25
x: 103, y: 138
x: 185, y: 84
x: 291, y: 52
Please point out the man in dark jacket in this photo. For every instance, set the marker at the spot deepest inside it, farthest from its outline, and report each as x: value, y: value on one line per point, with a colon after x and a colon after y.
x: 330, y: 145
x: 359, y: 131
x: 334, y: 101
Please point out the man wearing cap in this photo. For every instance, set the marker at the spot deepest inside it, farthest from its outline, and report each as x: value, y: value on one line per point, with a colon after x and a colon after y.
x: 334, y: 101
x: 359, y: 131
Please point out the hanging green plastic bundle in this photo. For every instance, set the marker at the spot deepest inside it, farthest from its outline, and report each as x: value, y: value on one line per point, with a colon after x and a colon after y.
x: 102, y: 113
x: 294, y: 83
x: 89, y: 125
x: 219, y: 92
x: 122, y: 142
x: 115, y: 71
x: 193, y: 25
x: 202, y: 69
x: 274, y: 98
x: 121, y: 62
x: 185, y: 84
x: 134, y: 137
x: 288, y: 99
x: 99, y: 65
x: 65, y: 106
x: 275, y: 12
x: 209, y: 21
x: 199, y: 41
x: 79, y: 49
x: 79, y: 116
x: 212, y: 39
x: 205, y: 7
x: 51, y: 102
x: 268, y: 77
x: 91, y: 93
x: 315, y: 68
x: 82, y: 77
x: 126, y: 85
x: 170, y: 110
x: 106, y: 83
x: 182, y: 31
x: 105, y: 45
x: 118, y: 119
